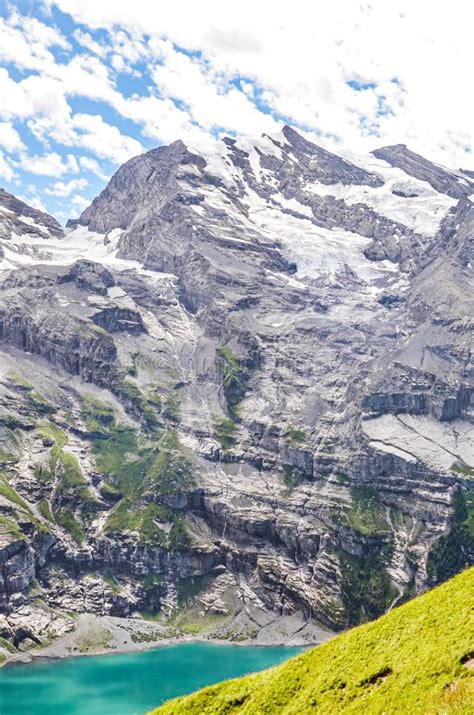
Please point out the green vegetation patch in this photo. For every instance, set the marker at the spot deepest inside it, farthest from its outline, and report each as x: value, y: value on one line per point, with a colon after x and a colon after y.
x: 19, y: 381
x: 138, y: 474
x: 367, y: 590
x: 45, y: 510
x: 96, y: 414
x: 68, y: 471
x: 342, y: 478
x: 292, y: 476
x: 366, y: 515
x: 10, y: 528
x: 224, y: 432
x: 170, y: 471
x: 67, y: 521
x: 455, y: 550
x: 120, y: 459
x: 127, y: 517
x: 412, y: 660
x: 131, y: 393
x: 178, y: 537
x: 51, y: 431
x: 234, y: 379
x: 295, y: 436
x: 148, y: 522
x: 7, y: 491
x: 10, y: 444
x: 464, y: 469
x: 170, y: 407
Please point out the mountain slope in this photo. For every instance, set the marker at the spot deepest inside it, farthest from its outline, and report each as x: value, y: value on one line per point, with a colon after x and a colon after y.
x: 240, y: 386
x: 418, y: 659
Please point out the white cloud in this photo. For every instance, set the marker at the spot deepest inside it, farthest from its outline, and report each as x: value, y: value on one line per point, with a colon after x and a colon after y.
x: 89, y: 132
x: 103, y: 139
x: 92, y: 165
x: 6, y: 170
x: 31, y: 97
x: 301, y: 56
x: 26, y: 42
x: 61, y: 188
x: 51, y: 164
x: 86, y: 40
x: 212, y: 102
x: 9, y: 138
x: 80, y: 202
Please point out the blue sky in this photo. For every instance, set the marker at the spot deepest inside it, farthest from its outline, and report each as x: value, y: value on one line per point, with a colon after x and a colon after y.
x: 87, y: 84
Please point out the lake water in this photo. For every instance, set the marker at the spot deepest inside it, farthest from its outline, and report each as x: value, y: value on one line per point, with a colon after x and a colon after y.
x: 126, y: 684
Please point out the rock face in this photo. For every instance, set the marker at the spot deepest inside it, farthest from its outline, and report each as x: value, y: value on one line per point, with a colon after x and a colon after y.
x: 17, y: 218
x: 240, y: 387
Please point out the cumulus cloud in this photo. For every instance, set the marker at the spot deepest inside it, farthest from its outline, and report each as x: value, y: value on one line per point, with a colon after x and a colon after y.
x: 51, y: 164
x: 302, y: 56
x: 9, y: 138
x: 93, y: 166
x: 80, y: 202
x: 6, y: 170
x: 61, y: 188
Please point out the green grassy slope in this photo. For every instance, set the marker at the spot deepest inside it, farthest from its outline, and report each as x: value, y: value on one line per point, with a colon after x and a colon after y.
x: 417, y: 659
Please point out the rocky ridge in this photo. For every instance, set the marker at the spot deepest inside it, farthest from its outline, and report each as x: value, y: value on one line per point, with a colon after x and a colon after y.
x: 237, y: 389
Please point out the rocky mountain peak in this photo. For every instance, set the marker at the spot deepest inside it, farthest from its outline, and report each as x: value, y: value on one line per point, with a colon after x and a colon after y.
x: 244, y: 374
x: 17, y: 218
x: 443, y: 180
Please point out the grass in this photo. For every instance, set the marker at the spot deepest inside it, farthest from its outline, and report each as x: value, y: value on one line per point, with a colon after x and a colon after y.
x: 171, y: 471
x: 224, y: 432
x: 50, y: 431
x: 366, y: 514
x: 112, y: 582
x: 410, y: 661
x: 131, y: 394
x: 295, y: 436
x: 7, y: 491
x: 367, y: 590
x: 96, y: 414
x: 145, y: 520
x: 70, y: 479
x: 142, y: 520
x: 171, y: 407
x: 464, y: 469
x: 45, y: 510
x: 10, y: 444
x: 7, y: 645
x: 66, y: 520
x: 292, y: 476
x: 342, y: 478
x: 234, y: 379
x: 454, y: 550
x: 119, y: 458
x: 10, y: 528
x: 19, y: 381
x: 136, y: 474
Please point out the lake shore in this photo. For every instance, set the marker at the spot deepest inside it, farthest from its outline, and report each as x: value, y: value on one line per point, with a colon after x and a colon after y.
x: 94, y: 635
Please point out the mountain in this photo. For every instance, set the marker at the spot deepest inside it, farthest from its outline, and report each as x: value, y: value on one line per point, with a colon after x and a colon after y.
x: 238, y: 389
x: 416, y: 659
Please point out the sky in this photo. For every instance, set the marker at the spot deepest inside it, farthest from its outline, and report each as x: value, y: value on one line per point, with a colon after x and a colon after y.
x: 87, y: 84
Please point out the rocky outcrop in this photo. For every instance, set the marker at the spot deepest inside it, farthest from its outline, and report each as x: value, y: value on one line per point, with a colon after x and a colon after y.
x: 17, y: 218
x: 448, y: 182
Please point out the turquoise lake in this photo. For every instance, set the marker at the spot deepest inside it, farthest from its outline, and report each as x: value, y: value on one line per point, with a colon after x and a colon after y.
x: 127, y: 684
